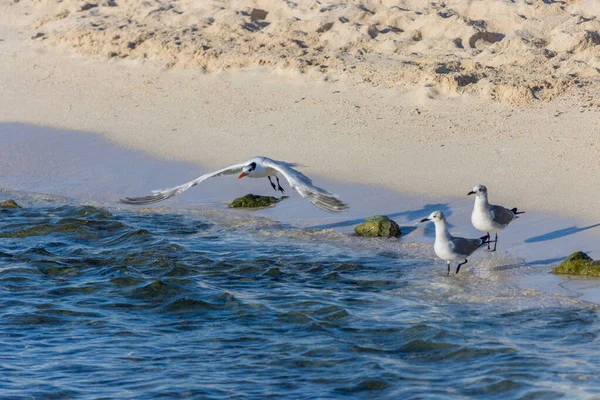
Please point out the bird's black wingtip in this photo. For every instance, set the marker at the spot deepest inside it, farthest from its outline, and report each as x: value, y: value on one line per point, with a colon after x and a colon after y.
x: 128, y: 200
x: 137, y: 201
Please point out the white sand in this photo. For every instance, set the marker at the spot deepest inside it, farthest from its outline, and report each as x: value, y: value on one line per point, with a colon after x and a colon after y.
x: 422, y: 138
x: 514, y: 51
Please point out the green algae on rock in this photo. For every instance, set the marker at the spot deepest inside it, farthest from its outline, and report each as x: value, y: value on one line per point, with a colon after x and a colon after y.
x: 9, y: 204
x: 254, y: 201
x: 378, y: 226
x: 578, y: 263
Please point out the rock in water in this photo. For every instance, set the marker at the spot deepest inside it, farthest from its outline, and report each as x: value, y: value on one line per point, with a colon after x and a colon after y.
x: 9, y: 204
x: 378, y: 226
x: 578, y: 263
x: 253, y: 201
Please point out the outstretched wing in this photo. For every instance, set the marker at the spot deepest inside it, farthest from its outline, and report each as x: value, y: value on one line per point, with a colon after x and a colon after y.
x: 501, y: 215
x: 163, y: 194
x: 304, y: 186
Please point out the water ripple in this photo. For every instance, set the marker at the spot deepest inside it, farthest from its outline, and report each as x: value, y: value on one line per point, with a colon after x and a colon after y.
x: 158, y: 304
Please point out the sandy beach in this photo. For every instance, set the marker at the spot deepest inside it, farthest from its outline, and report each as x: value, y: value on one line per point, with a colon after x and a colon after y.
x: 416, y: 136
x: 399, y: 107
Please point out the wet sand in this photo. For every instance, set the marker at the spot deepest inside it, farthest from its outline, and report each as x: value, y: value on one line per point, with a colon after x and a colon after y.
x: 85, y: 168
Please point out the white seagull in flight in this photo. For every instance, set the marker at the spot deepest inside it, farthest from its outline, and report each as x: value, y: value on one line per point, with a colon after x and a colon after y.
x: 258, y: 167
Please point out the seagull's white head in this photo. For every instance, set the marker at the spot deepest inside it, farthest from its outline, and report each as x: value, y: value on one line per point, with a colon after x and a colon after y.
x: 479, y: 191
x: 435, y: 217
x: 250, y: 170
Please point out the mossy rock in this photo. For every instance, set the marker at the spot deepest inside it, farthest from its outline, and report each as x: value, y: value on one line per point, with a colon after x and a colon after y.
x: 254, y: 201
x: 378, y: 226
x: 578, y: 263
x: 9, y: 204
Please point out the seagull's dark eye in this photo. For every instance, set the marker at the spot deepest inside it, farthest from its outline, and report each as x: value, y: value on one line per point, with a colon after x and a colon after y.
x: 252, y: 166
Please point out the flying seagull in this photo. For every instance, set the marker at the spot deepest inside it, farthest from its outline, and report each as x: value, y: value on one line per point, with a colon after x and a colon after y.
x: 450, y: 248
x: 258, y: 167
x: 490, y: 218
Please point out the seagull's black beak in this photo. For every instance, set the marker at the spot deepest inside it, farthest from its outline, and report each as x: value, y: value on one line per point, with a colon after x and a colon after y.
x: 424, y: 220
x: 470, y: 193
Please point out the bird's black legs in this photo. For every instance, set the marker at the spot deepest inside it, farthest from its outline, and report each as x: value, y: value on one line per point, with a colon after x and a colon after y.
x: 458, y: 267
x: 279, y: 186
x: 448, y: 262
x: 495, y: 242
x: 273, y: 185
x: 486, y: 232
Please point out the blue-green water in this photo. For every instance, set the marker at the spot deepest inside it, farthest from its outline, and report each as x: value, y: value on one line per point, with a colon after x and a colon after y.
x: 163, y: 304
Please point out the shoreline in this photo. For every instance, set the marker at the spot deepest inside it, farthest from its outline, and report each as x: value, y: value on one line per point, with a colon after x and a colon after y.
x: 105, y: 171
x: 90, y: 169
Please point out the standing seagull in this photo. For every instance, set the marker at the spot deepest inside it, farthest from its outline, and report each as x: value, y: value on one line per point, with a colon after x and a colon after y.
x: 258, y: 167
x: 490, y: 218
x: 450, y: 248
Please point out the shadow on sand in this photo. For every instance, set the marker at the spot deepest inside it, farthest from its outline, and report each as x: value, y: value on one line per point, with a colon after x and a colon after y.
x: 560, y: 233
x: 534, y: 263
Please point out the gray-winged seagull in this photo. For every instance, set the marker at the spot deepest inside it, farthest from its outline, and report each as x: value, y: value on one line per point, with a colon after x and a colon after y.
x: 490, y: 218
x: 450, y: 248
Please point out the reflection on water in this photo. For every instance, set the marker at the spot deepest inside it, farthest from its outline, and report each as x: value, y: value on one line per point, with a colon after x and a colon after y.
x: 180, y: 304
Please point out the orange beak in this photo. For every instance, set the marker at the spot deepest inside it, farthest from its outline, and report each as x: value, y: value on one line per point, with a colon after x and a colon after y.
x: 243, y: 174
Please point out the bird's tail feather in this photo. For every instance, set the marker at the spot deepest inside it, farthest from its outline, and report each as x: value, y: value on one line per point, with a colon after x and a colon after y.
x: 514, y: 211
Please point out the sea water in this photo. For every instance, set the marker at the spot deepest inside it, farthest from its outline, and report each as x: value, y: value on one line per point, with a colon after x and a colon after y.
x: 103, y: 303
